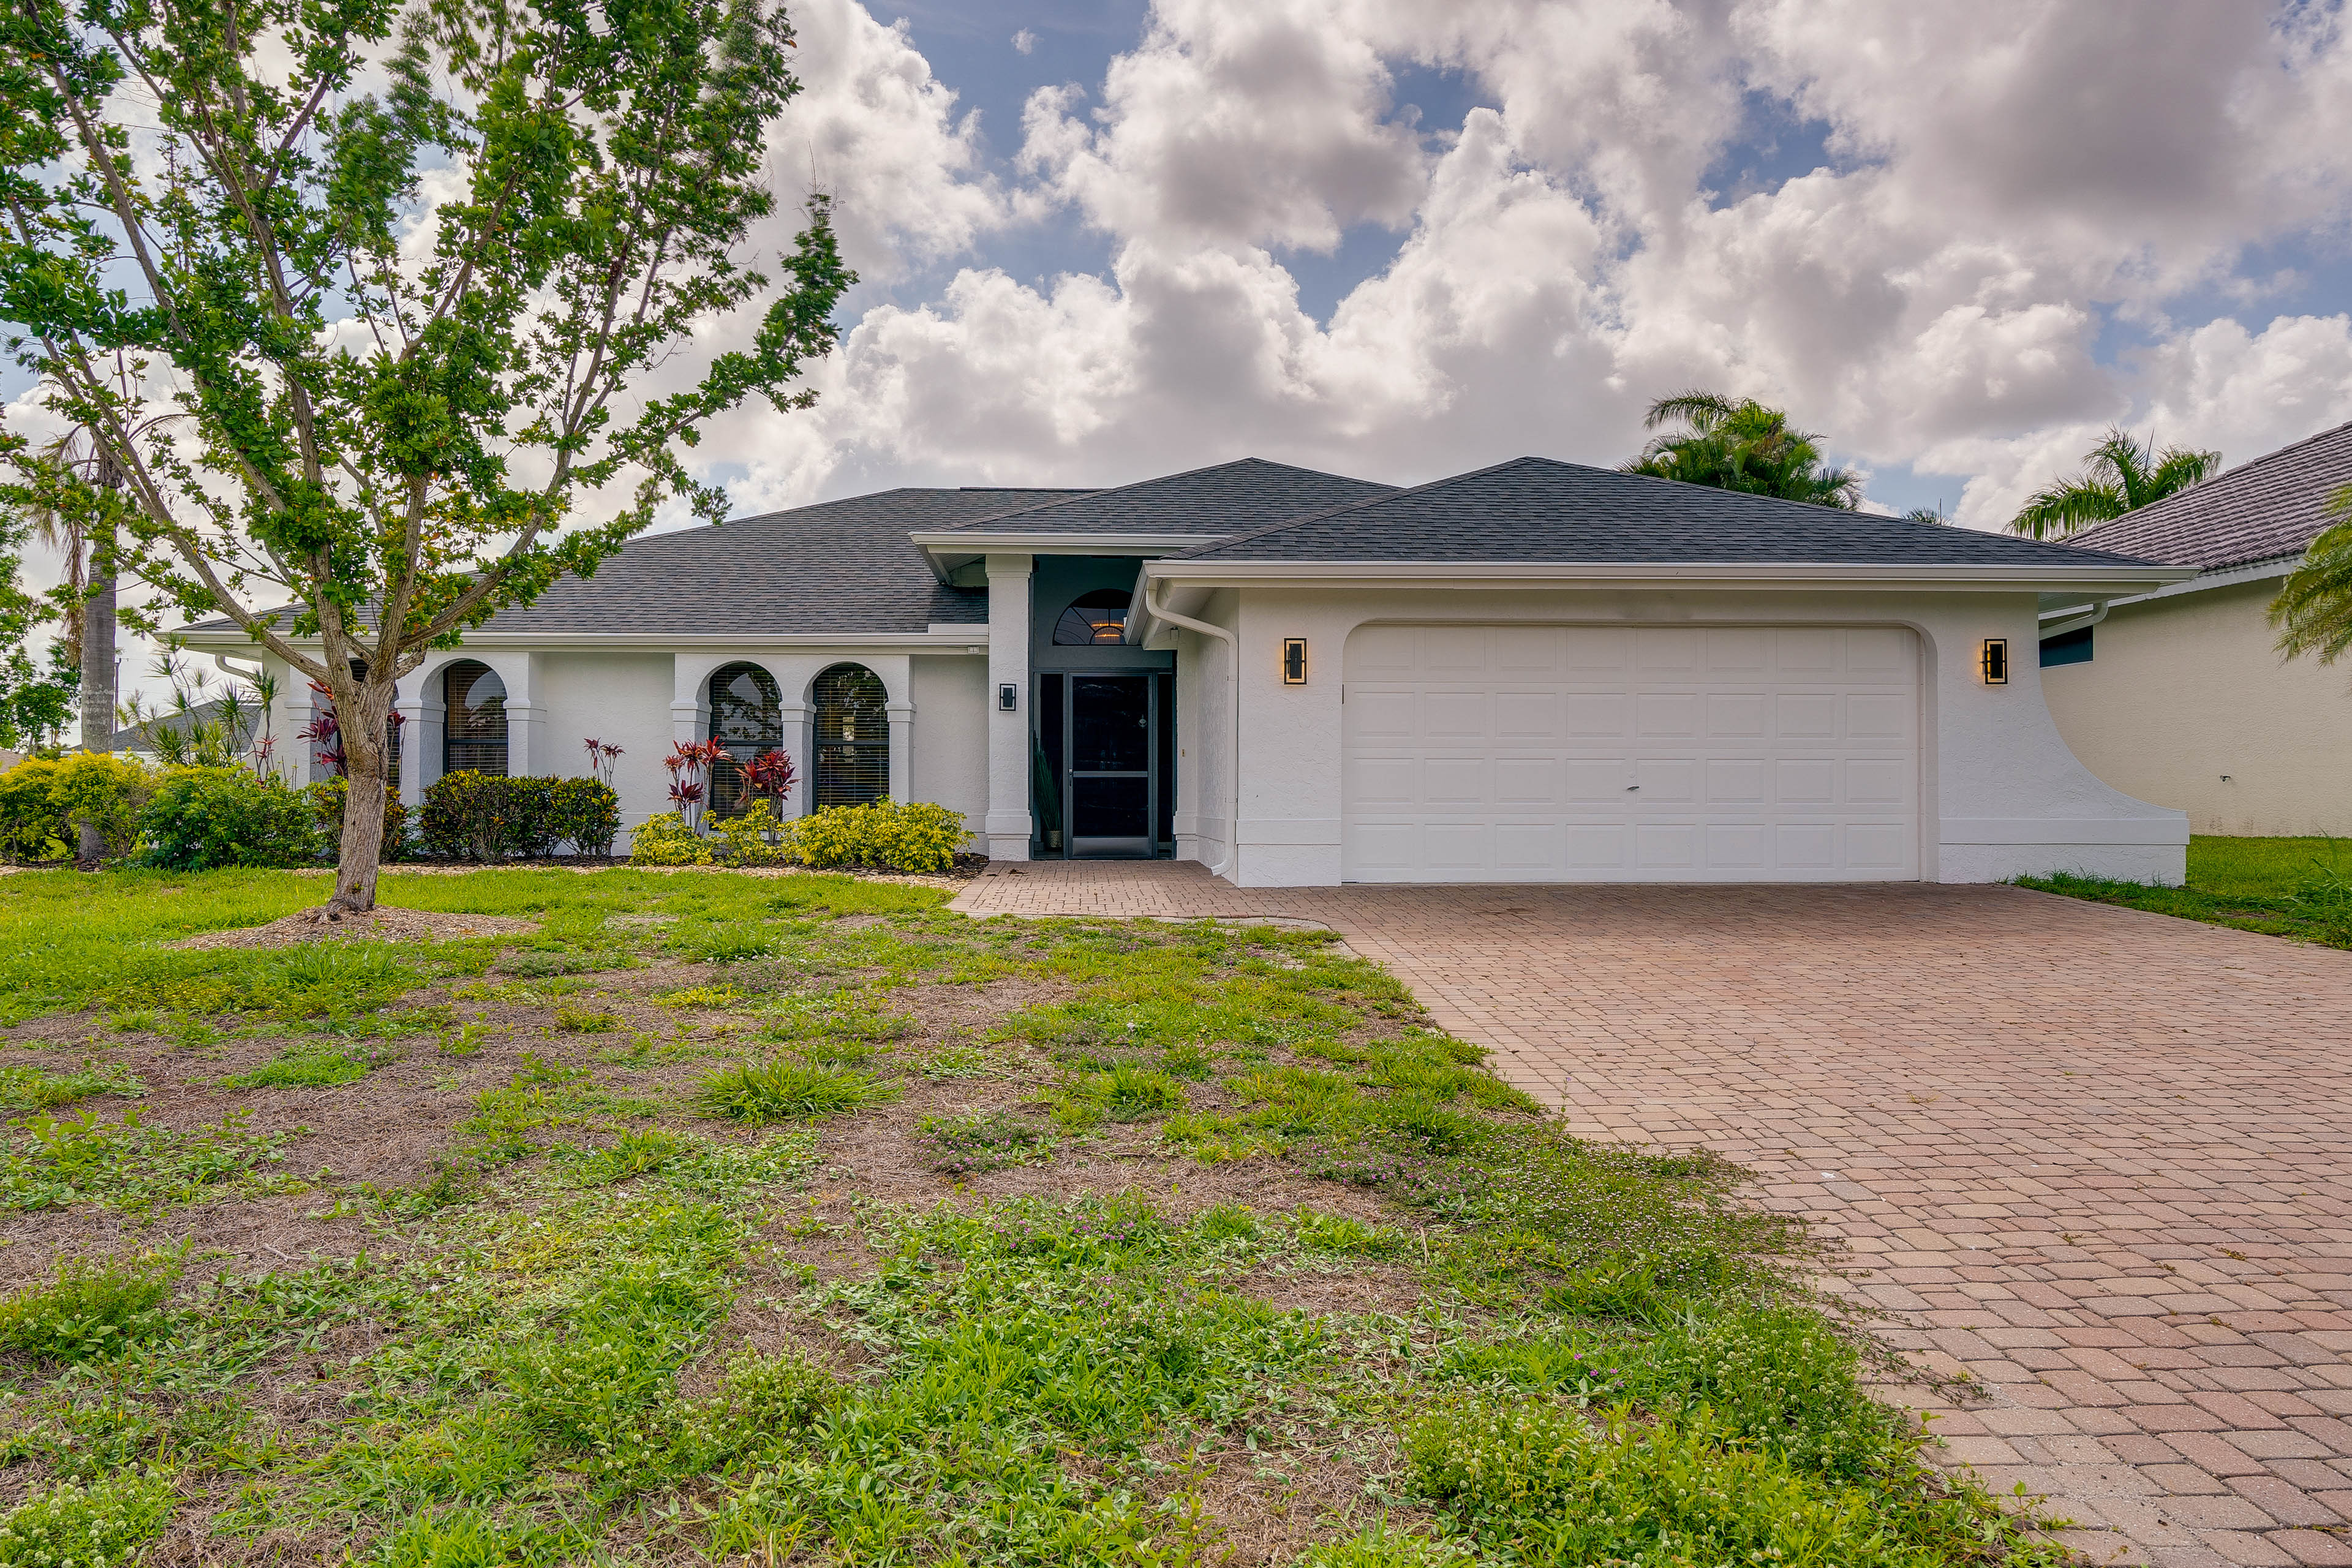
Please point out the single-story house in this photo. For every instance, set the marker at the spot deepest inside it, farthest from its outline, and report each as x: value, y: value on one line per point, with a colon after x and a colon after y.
x: 1536, y: 671
x: 2178, y: 694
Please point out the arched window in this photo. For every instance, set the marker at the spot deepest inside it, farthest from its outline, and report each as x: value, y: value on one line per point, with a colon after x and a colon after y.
x: 747, y: 717
x: 474, y: 734
x: 1096, y: 617
x: 853, y: 737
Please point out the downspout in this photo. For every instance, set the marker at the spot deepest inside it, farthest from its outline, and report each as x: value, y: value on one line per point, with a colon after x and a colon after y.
x: 1233, y: 822
x: 2074, y: 620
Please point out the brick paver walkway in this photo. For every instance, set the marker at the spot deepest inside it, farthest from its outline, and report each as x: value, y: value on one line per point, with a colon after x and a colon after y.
x: 2100, y: 1159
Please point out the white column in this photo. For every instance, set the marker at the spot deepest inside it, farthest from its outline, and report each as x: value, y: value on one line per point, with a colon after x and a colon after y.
x: 529, y: 748
x: 420, y: 736
x: 1008, y: 825
x: 798, y: 721
x: 902, y: 751
x: 296, y: 763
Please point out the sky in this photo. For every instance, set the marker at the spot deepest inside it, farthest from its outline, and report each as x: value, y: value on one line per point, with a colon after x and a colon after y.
x: 1403, y: 238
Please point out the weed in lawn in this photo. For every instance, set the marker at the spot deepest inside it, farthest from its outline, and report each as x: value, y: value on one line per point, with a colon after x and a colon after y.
x: 980, y: 1140
x: 586, y: 1021
x: 137, y: 1021
x: 1130, y: 1094
x: 90, y: 1307
x: 36, y: 1088
x: 129, y: 1165
x: 105, y: 1523
x: 700, y: 996
x: 789, y: 1091
x: 544, y: 964
x: 1197, y: 1063
x: 465, y: 1040
x: 312, y: 1067
x: 630, y: 1155
x: 730, y: 944
x: 950, y: 1062
x: 839, y: 1016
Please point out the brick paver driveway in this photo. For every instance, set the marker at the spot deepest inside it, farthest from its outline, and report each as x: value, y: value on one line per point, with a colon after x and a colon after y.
x: 2101, y: 1159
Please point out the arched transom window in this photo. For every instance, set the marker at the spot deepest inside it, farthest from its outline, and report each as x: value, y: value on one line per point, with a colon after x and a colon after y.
x: 1096, y: 617
x: 473, y: 730
x: 853, y: 737
x: 747, y: 718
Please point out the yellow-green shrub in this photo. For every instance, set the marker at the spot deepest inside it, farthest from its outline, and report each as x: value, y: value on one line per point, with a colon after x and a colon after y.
x: 43, y: 801
x: 665, y: 840
x: 915, y: 835
x: 743, y: 839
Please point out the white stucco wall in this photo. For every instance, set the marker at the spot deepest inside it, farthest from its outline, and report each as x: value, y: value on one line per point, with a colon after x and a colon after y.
x: 2186, y: 702
x: 950, y: 735
x: 2002, y: 793
x: 1205, y: 736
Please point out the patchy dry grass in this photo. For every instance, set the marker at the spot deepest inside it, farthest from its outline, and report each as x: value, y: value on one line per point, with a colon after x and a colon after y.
x: 795, y: 1220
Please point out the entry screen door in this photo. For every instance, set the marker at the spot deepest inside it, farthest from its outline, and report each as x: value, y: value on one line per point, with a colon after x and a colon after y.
x: 1110, y: 730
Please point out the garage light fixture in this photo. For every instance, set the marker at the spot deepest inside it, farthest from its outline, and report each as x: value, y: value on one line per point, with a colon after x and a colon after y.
x: 1293, y: 661
x: 1996, y: 661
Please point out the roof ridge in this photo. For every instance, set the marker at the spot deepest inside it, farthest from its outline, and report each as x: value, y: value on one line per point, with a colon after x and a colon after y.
x: 1160, y: 479
x: 1392, y: 493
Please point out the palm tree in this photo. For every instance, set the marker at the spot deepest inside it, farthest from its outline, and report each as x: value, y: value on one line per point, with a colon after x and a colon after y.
x: 1741, y: 445
x: 2119, y: 475
x: 2313, y: 611
x: 86, y: 539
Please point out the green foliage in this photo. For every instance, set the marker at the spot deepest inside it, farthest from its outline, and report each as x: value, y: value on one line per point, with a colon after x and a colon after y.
x: 788, y: 1091
x: 38, y: 1089
x: 914, y: 837
x: 1778, y: 1378
x: 96, y: 1526
x: 43, y: 801
x: 2119, y: 475
x: 327, y: 798
x: 754, y: 837
x: 1742, y: 445
x: 309, y: 1067
x: 200, y: 818
x: 126, y: 1164
x: 2312, y: 611
x: 91, y: 1308
x: 667, y: 840
x: 491, y: 817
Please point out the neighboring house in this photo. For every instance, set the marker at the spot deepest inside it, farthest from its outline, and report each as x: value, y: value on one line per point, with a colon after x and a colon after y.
x: 1534, y: 672
x: 2179, y: 696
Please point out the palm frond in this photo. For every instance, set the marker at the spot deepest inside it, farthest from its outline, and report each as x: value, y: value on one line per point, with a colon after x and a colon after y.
x: 2314, y: 609
x: 1701, y: 411
x: 2067, y: 507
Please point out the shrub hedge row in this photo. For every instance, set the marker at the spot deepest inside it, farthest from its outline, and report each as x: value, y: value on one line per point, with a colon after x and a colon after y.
x: 913, y: 835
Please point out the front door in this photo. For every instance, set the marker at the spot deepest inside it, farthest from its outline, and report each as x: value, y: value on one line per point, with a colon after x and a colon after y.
x: 1113, y: 784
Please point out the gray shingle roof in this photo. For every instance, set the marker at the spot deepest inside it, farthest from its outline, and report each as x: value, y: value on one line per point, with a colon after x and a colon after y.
x: 2260, y: 511
x: 1535, y: 509
x: 1230, y: 498
x: 837, y: 566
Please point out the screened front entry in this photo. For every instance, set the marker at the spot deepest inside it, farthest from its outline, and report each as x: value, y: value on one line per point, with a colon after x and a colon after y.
x: 1103, y: 746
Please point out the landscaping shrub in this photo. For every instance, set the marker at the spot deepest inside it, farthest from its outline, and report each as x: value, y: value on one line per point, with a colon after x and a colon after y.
x: 667, y: 840
x: 754, y: 837
x: 43, y: 801
x: 490, y: 817
x: 587, y: 811
x: 327, y: 797
x: 205, y: 817
x: 915, y: 835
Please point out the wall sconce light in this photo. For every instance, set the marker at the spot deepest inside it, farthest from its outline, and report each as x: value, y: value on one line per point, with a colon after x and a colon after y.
x: 1293, y: 661
x: 1008, y: 698
x: 1996, y: 661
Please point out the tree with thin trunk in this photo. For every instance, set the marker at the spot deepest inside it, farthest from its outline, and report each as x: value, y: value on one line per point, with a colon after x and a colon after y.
x: 2313, y: 607
x: 1738, y: 443
x: 2119, y: 475
x: 387, y: 288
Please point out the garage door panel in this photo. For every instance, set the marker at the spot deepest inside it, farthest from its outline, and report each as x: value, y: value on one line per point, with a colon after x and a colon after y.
x: 1593, y: 754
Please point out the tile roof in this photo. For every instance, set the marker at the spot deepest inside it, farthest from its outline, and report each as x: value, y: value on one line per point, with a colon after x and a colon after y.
x: 1536, y: 508
x: 1229, y: 498
x: 837, y: 566
x: 2260, y: 511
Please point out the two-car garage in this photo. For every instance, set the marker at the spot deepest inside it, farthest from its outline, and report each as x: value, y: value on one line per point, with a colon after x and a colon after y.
x: 1502, y: 753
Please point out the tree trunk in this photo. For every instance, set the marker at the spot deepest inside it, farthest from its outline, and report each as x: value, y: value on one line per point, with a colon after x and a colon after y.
x: 98, y: 666
x: 361, y: 854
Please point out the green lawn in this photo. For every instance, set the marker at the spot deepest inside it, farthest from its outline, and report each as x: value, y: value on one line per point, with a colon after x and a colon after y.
x: 797, y: 1220
x: 2299, y: 888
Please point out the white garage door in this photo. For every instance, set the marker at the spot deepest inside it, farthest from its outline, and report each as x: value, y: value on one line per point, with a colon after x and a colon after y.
x: 1631, y: 754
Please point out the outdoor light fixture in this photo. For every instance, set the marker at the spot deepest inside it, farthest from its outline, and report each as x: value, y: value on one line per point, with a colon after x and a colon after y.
x: 1293, y: 661
x: 1996, y: 661
x: 1008, y: 698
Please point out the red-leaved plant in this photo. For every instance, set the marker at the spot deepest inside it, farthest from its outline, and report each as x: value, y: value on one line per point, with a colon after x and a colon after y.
x: 769, y: 776
x: 326, y: 732
x: 600, y: 755
x: 689, y: 763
